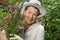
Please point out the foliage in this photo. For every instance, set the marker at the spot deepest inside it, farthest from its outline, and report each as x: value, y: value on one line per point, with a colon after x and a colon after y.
x: 52, y: 20
x: 3, y: 12
x: 14, y: 1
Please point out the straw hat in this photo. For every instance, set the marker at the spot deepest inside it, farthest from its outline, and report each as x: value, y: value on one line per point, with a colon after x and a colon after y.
x: 34, y: 3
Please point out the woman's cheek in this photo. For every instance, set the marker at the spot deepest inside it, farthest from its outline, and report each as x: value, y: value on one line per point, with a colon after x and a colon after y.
x: 34, y: 17
x: 25, y: 15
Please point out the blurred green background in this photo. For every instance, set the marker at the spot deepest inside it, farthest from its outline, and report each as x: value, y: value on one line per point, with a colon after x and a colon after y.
x: 11, y: 20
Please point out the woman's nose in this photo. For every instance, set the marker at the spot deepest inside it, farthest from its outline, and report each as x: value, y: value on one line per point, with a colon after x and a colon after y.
x: 31, y: 16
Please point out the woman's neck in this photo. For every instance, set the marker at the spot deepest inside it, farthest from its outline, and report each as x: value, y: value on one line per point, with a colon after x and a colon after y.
x: 27, y: 26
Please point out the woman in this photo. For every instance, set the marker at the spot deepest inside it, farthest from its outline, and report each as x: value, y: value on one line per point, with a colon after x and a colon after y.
x: 31, y: 11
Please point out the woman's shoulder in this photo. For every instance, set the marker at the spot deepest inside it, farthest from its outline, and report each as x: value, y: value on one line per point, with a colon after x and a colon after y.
x: 36, y: 26
x: 40, y: 26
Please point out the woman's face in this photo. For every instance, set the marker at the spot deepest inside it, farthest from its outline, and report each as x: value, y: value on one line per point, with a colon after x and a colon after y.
x: 30, y: 15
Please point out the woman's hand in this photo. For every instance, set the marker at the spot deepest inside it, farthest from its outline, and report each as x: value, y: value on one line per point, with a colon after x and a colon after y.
x: 14, y: 36
x: 3, y: 36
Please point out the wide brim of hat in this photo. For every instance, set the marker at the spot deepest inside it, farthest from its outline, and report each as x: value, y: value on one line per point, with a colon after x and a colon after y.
x: 41, y: 9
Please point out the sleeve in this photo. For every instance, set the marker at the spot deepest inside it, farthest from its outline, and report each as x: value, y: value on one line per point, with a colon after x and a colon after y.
x: 15, y: 37
x: 40, y: 34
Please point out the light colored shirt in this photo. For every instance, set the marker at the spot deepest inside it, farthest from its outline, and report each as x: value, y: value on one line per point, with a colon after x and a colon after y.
x: 35, y: 32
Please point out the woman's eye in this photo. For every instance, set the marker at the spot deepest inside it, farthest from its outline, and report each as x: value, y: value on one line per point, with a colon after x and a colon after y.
x: 29, y: 12
x: 34, y: 14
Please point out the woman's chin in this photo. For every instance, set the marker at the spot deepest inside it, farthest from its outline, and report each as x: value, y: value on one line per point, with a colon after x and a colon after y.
x: 30, y: 22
